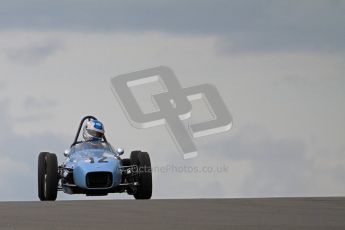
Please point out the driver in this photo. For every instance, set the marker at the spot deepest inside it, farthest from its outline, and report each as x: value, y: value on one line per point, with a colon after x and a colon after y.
x: 93, y: 131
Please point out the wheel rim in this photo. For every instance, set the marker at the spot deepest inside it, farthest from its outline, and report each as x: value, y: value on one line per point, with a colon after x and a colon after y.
x: 45, y: 186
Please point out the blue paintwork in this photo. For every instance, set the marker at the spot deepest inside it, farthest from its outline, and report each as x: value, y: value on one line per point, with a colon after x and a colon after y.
x: 94, y: 156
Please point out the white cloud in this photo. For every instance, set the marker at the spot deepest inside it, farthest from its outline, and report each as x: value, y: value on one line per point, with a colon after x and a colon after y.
x: 8, y: 165
x: 257, y: 88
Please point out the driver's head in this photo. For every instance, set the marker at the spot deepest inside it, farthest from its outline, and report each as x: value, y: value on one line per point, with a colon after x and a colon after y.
x: 93, y: 131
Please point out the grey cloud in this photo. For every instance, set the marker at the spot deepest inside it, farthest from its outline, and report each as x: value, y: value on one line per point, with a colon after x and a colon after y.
x: 173, y: 177
x: 36, y: 109
x: 277, y: 167
x: 37, y: 117
x: 4, y: 116
x: 243, y: 26
x: 280, y: 167
x: 23, y: 150
x: 3, y: 85
x: 34, y: 103
x: 33, y: 53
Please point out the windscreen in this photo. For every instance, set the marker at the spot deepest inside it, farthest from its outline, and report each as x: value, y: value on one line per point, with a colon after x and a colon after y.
x: 91, y: 149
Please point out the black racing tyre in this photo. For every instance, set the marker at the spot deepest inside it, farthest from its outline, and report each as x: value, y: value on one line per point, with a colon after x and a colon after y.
x: 134, y: 161
x: 144, y: 189
x: 47, y: 176
x: 135, y: 157
x: 41, y: 172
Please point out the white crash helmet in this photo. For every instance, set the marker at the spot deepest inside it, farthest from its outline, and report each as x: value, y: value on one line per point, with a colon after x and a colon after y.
x: 93, y: 131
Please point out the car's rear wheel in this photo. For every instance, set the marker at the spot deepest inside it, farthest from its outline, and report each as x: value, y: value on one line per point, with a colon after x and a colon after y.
x: 135, y: 157
x: 143, y: 163
x: 47, y: 176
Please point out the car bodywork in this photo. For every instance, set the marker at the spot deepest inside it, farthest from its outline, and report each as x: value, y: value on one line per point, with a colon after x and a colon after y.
x: 92, y: 168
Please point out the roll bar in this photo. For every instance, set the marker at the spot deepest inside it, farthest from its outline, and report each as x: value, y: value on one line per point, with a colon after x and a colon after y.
x: 80, y: 127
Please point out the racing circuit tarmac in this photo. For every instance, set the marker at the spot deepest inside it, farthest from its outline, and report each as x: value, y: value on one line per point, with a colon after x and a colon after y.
x: 267, y: 213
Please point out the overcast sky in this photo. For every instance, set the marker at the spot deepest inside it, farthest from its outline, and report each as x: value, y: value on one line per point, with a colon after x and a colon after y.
x: 279, y: 66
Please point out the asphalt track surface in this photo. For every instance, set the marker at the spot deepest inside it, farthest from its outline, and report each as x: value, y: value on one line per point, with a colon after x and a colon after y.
x: 267, y: 213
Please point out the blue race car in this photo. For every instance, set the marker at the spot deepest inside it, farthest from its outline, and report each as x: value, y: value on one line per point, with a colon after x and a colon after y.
x: 94, y: 168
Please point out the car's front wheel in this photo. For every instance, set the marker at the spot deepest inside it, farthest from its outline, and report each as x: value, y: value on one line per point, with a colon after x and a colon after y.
x: 47, y: 176
x: 143, y: 169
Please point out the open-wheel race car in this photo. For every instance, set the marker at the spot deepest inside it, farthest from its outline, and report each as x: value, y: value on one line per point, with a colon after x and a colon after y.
x: 94, y: 168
